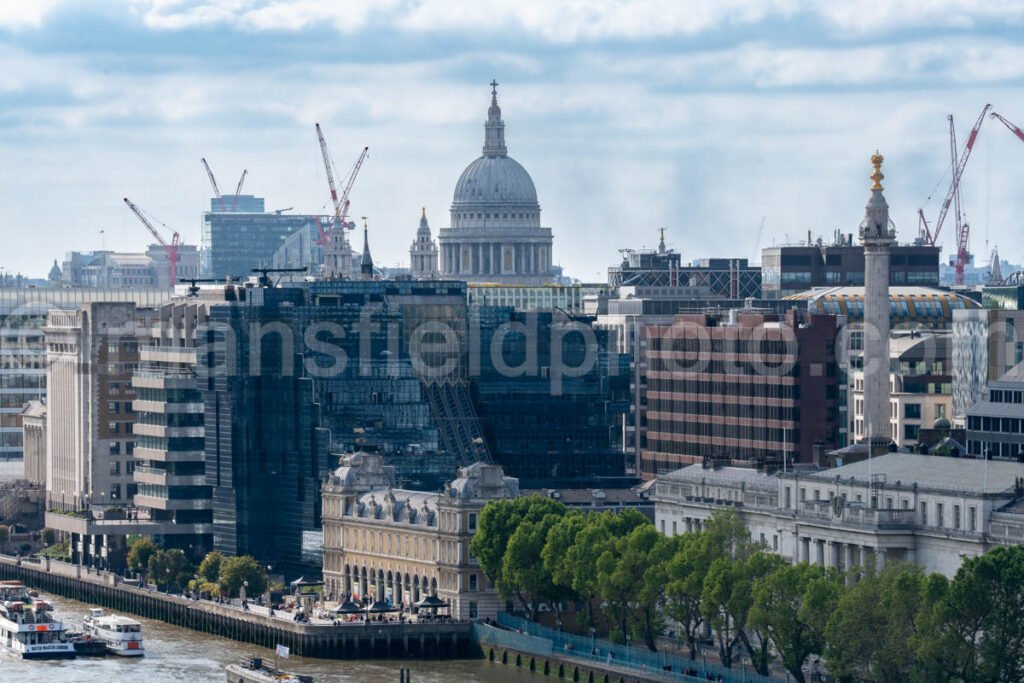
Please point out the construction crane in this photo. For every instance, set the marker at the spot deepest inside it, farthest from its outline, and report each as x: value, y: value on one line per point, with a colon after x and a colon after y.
x: 171, y: 248
x: 238, y: 189
x: 757, y: 243
x: 213, y: 181
x: 340, y: 203
x: 216, y: 189
x: 926, y: 234
x: 1013, y: 129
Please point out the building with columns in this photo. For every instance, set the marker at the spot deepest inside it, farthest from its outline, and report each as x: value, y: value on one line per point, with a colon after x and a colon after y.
x: 392, y: 545
x: 423, y: 252
x: 495, y: 233
x: 932, y: 510
x: 878, y: 237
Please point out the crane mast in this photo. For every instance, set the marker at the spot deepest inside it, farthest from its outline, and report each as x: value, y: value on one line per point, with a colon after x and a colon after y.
x: 330, y: 174
x: 238, y: 189
x: 928, y: 236
x: 171, y: 248
x: 1013, y: 129
x: 213, y: 181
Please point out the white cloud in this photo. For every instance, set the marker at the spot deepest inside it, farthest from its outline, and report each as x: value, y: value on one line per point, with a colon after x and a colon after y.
x: 21, y: 14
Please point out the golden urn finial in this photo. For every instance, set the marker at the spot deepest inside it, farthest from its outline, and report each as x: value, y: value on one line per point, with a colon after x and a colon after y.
x: 877, y: 175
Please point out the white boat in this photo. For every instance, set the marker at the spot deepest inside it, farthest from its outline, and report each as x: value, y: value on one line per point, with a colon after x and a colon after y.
x: 122, y: 636
x: 26, y: 627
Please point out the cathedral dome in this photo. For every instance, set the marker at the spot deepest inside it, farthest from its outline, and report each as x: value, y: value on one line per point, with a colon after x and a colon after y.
x: 495, y: 180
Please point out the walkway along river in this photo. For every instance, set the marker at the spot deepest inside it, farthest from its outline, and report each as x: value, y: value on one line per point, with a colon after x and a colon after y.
x: 443, y: 640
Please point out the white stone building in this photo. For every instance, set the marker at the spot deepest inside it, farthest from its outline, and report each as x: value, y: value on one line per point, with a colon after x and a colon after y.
x: 495, y: 233
x: 931, y: 510
x: 392, y: 545
x: 423, y: 252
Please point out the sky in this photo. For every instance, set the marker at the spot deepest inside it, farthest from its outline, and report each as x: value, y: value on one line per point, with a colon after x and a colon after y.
x: 706, y: 117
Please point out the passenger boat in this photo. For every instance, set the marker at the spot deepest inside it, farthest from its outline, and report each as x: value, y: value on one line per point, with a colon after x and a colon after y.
x: 26, y: 627
x: 121, y: 635
x: 255, y: 670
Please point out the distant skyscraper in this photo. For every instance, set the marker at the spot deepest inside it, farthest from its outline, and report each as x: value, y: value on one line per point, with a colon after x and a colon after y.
x: 877, y: 237
x: 423, y: 253
x: 496, y: 235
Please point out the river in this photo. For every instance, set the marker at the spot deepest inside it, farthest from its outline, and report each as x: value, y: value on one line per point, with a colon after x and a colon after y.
x: 180, y: 655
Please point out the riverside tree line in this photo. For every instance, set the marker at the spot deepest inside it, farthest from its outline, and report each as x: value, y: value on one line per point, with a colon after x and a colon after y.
x: 897, y: 624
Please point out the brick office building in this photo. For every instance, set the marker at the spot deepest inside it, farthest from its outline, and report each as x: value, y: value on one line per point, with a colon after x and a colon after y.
x: 741, y: 386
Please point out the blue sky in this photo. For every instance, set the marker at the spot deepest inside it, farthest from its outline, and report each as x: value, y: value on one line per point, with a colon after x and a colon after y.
x: 702, y: 116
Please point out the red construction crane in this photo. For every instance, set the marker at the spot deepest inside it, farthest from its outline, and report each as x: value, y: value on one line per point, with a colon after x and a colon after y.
x: 339, y: 203
x: 172, y: 248
x: 926, y: 235
x: 1013, y: 129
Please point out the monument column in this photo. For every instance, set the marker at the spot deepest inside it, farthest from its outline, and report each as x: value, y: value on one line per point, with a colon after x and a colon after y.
x: 877, y: 238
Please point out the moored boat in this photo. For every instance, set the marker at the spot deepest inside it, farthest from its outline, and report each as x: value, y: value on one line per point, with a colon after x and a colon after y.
x: 255, y: 670
x: 121, y: 635
x: 26, y: 627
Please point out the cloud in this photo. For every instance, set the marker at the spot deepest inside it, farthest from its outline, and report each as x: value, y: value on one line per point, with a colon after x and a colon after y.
x: 22, y: 14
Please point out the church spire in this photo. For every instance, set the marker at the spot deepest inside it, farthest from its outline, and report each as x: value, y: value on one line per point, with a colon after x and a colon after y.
x: 366, y: 265
x: 494, y: 129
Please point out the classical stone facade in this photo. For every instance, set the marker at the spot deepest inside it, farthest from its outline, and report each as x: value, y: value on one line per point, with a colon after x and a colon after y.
x: 397, y: 546
x: 931, y: 510
x: 495, y: 233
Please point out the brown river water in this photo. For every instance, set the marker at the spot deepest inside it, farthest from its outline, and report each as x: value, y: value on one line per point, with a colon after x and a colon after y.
x: 177, y: 654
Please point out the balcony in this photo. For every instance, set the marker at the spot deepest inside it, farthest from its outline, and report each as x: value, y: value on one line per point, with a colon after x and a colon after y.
x: 856, y: 515
x: 161, y: 477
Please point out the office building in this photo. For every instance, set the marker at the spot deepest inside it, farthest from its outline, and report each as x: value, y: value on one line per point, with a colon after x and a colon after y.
x: 742, y: 386
x: 111, y: 270
x: 91, y: 355
x: 921, y: 387
x: 23, y: 314
x: 569, y: 299
x: 390, y: 545
x: 995, y: 424
x: 791, y: 269
x: 934, y: 511
x: 495, y: 233
x: 909, y: 307
x: 986, y: 345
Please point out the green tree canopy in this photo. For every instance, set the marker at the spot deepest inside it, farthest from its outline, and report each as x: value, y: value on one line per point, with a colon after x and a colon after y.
x: 792, y: 606
x: 170, y: 568
x: 235, y: 571
x: 139, y: 554
x: 522, y: 572
x: 498, y: 521
x: 209, y: 568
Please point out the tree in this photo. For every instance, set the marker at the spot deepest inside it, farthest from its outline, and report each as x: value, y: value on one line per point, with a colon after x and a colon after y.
x: 576, y: 542
x: 523, y: 573
x: 726, y: 599
x: 209, y: 568
x: 498, y: 521
x: 792, y: 606
x: 170, y: 568
x: 631, y: 581
x: 235, y: 571
x: 878, y: 625
x: 139, y: 554
x: 49, y: 536
x: 686, y: 571
x: 5, y: 535
x: 982, y: 620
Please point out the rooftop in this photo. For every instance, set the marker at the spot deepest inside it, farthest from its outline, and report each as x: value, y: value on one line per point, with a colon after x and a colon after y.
x: 930, y: 471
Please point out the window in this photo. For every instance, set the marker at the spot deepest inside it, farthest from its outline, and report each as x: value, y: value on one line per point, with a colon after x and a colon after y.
x: 115, y: 468
x: 940, y: 518
x: 115, y: 428
x: 912, y: 411
x: 115, y: 447
x: 114, y: 407
x: 924, y: 513
x: 472, y: 521
x: 940, y: 410
x: 910, y: 432
x: 973, y: 521
x: 473, y: 583
x: 115, y: 492
x: 789, y: 497
x: 472, y: 610
x: 956, y: 516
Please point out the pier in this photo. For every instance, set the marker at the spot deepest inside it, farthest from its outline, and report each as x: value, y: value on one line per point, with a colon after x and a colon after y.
x: 372, y: 640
